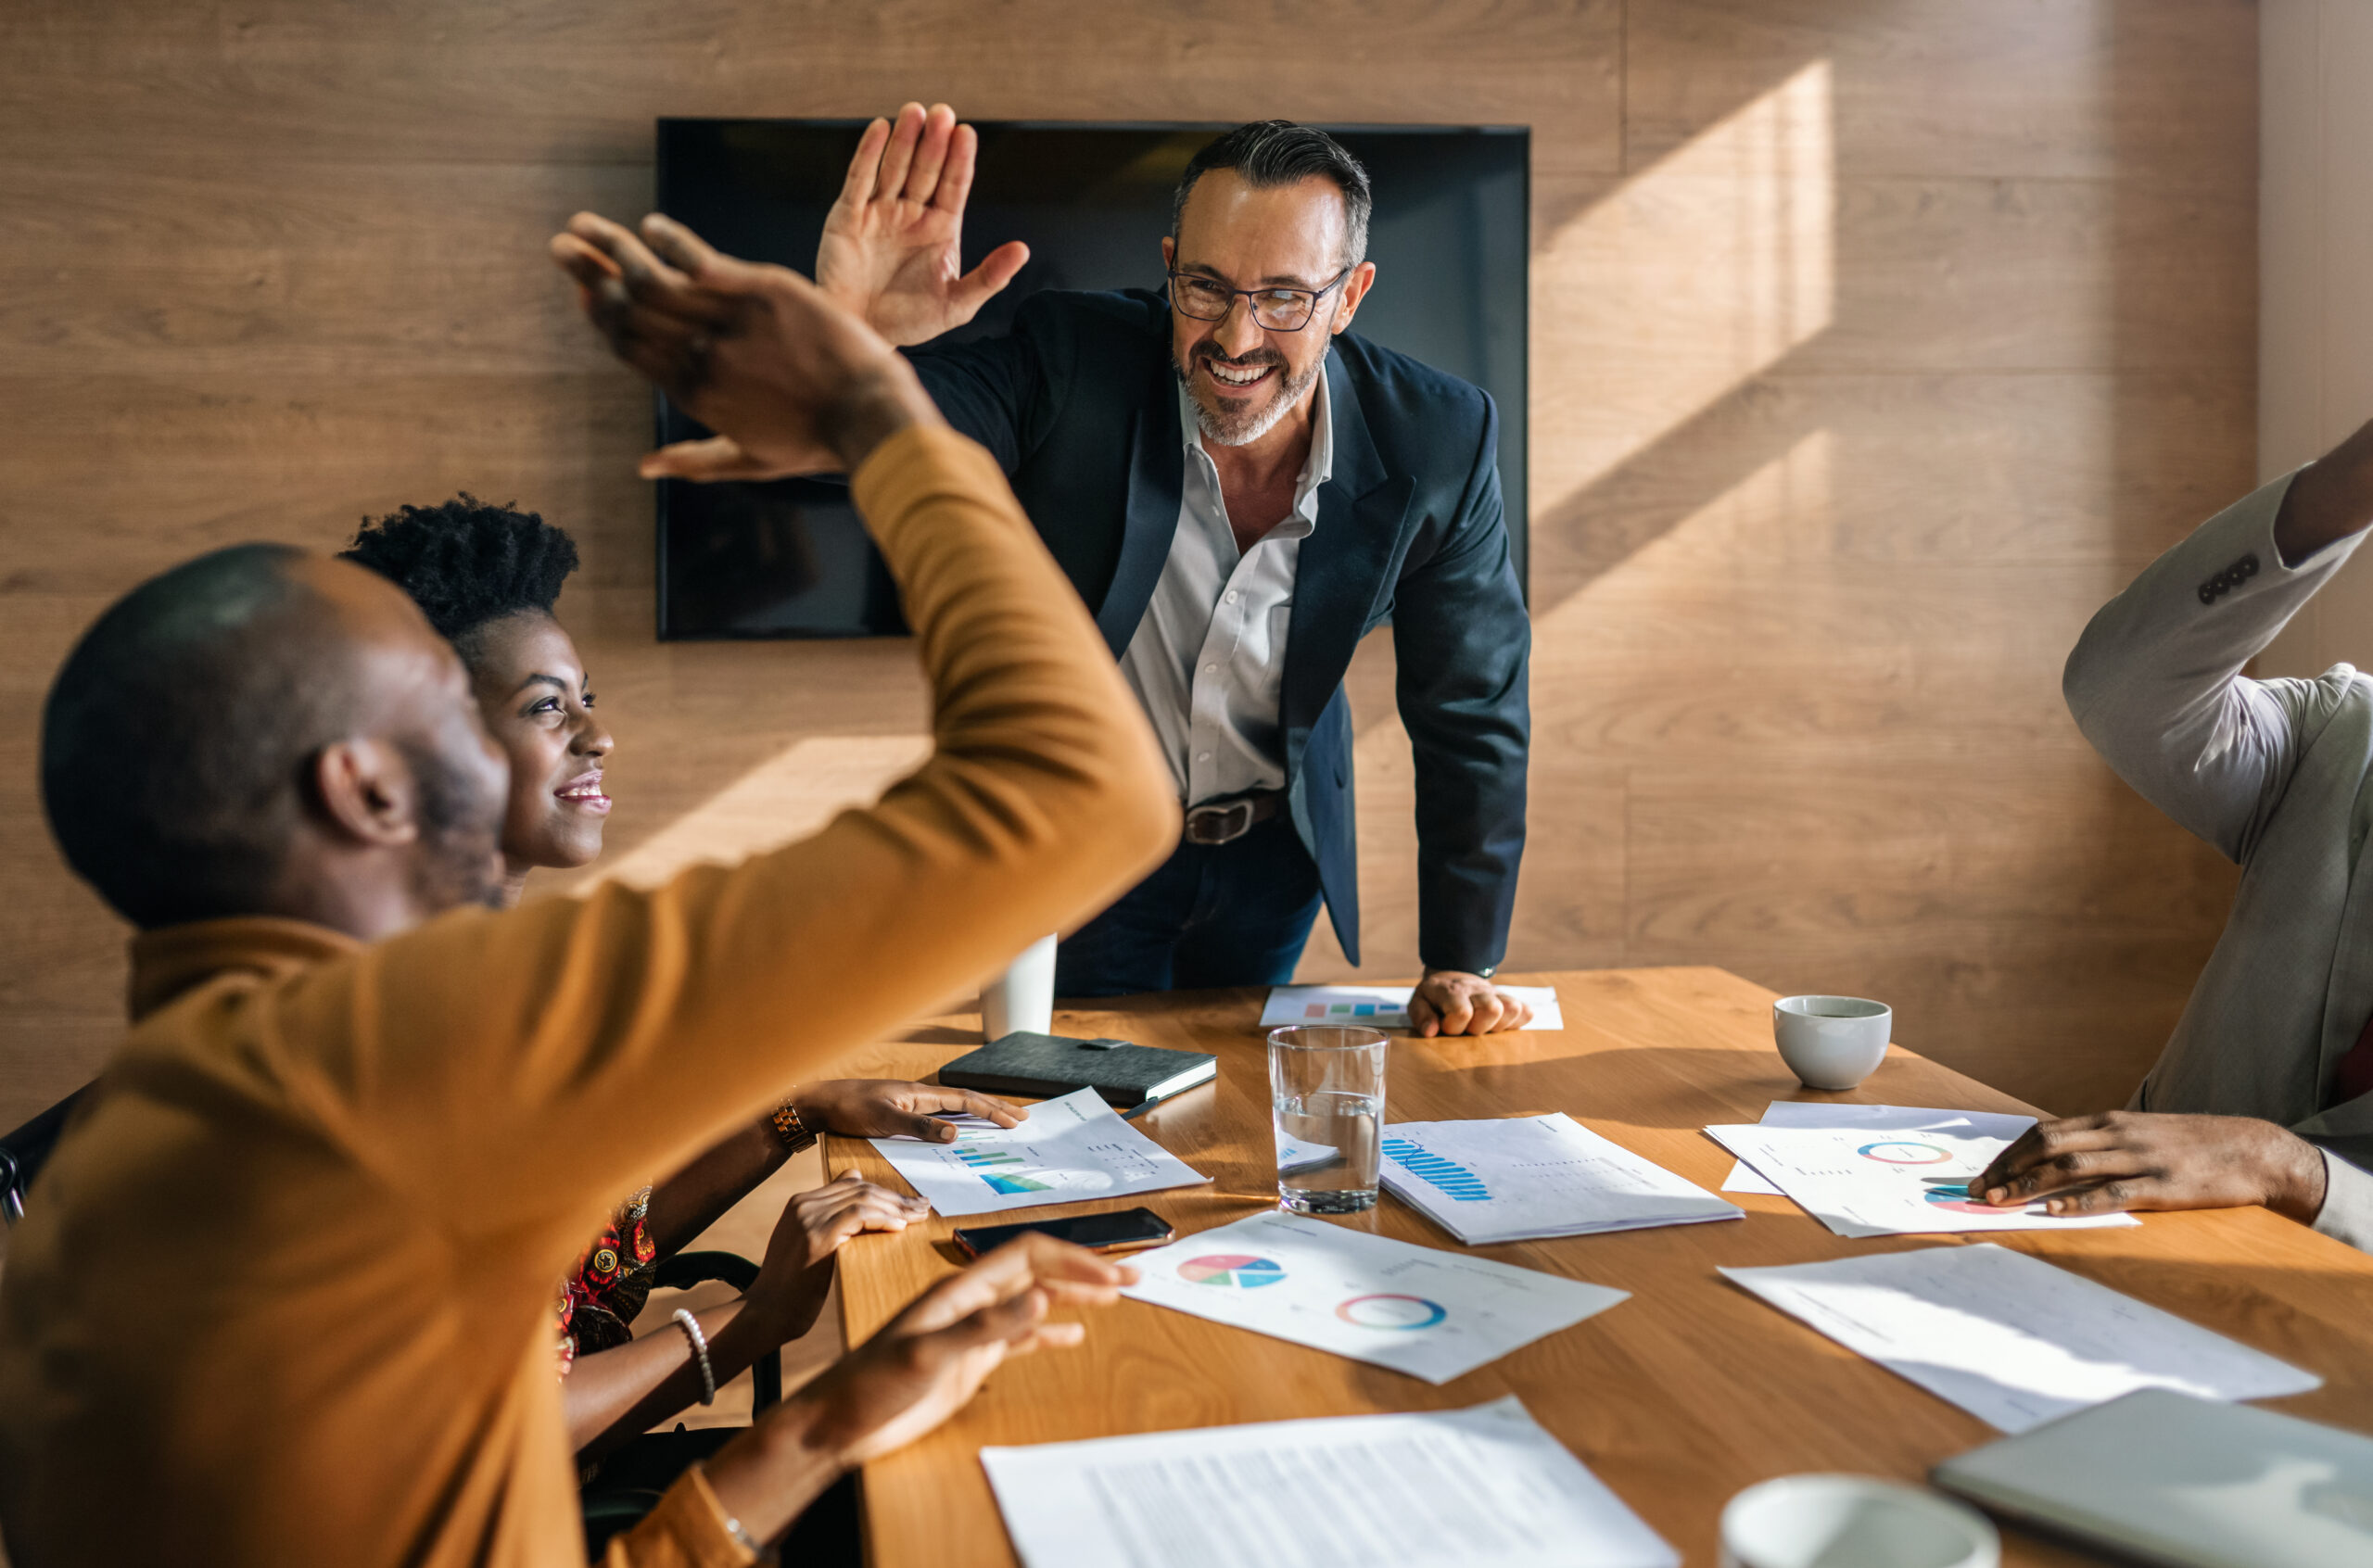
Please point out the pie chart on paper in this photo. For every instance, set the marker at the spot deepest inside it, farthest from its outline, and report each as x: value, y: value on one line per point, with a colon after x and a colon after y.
x: 1241, y: 1269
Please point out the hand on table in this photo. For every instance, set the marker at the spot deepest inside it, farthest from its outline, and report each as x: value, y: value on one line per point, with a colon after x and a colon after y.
x: 930, y: 1358
x: 884, y: 1108
x: 1453, y: 1001
x: 797, y: 1272
x: 2141, y: 1159
x: 790, y: 382
x: 893, y: 240
x: 906, y: 1379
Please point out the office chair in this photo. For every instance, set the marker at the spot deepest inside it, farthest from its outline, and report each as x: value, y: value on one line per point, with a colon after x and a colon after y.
x: 627, y: 1484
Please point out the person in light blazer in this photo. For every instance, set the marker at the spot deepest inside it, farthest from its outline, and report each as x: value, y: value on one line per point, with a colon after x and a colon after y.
x: 2264, y: 1095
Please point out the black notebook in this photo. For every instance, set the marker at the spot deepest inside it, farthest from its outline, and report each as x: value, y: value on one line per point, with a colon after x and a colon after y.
x: 1047, y: 1065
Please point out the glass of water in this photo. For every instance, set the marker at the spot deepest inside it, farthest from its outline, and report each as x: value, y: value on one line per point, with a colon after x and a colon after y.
x: 1326, y: 1106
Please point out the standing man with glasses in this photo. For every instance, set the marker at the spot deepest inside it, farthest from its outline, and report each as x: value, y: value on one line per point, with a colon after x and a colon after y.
x: 1241, y: 491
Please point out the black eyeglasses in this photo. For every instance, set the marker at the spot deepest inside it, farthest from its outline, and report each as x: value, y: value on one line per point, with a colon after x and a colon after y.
x: 1275, y: 310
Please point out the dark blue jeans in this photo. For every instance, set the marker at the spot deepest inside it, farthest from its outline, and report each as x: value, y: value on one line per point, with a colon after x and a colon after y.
x: 1211, y: 915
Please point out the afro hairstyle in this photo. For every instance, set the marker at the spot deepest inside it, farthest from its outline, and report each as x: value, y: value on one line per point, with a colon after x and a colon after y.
x: 466, y: 563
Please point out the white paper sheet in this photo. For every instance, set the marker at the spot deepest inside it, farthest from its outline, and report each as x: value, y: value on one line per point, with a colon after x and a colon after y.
x: 1069, y: 1150
x: 1898, y: 1119
x: 1294, y: 1155
x: 1382, y: 1007
x: 1476, y: 1489
x: 2010, y: 1338
x: 1522, y: 1177
x: 1432, y: 1314
x: 1870, y: 1181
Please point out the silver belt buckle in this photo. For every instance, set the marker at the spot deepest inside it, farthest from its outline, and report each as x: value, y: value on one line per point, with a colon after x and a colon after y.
x: 1219, y: 824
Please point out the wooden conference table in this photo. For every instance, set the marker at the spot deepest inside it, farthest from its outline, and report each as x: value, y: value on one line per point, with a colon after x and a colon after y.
x: 1677, y: 1397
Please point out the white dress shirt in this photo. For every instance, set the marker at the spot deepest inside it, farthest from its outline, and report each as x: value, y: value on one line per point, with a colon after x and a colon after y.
x: 1207, y: 660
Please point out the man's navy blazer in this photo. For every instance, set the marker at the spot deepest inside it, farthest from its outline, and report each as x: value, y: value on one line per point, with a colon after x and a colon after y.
x: 1079, y: 405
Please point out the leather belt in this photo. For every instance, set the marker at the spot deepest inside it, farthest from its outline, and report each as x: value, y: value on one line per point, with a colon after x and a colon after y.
x: 1223, y: 822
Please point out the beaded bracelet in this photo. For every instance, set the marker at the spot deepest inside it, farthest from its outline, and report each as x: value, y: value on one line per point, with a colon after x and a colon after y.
x: 692, y: 1327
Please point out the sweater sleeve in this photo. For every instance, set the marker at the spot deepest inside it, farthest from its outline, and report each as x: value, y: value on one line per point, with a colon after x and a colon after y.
x: 464, y: 1062
x: 688, y: 1529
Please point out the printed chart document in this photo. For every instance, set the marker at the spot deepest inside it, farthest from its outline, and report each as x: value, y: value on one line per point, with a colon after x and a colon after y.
x: 2010, y: 1338
x: 1870, y: 1181
x: 1476, y: 1489
x: 1434, y: 1315
x: 1892, y: 1119
x: 1065, y: 1151
x: 1382, y: 1007
x: 1526, y: 1177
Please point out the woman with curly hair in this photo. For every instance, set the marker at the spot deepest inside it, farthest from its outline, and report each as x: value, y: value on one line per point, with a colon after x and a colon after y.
x: 488, y: 577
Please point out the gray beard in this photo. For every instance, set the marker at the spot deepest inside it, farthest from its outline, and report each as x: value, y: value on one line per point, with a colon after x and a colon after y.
x: 1248, y: 428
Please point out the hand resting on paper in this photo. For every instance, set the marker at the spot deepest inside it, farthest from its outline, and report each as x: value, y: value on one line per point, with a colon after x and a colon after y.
x: 916, y: 1372
x: 2153, y: 1160
x: 887, y: 1107
x: 1453, y: 1001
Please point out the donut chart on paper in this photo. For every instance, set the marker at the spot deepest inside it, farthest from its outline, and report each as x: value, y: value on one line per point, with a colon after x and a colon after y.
x: 1954, y: 1196
x: 1904, y: 1151
x: 1392, y: 1312
x: 1241, y: 1269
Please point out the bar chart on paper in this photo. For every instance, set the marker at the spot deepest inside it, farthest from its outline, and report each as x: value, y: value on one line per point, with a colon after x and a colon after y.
x: 1509, y: 1179
x: 1448, y: 1177
x: 1066, y: 1150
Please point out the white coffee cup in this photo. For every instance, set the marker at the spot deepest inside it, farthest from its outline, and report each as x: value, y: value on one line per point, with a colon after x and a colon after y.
x: 1832, y: 1041
x: 1023, y: 997
x: 1853, y: 1522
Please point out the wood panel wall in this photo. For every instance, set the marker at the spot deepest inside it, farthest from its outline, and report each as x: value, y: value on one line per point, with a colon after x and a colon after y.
x: 1875, y: 343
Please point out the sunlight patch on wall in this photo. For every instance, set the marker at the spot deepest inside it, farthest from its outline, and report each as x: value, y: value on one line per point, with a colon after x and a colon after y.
x: 1727, y: 550
x: 789, y: 796
x: 1687, y: 280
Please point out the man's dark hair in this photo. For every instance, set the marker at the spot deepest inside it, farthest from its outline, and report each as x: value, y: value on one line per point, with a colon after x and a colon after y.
x: 467, y: 564
x: 1277, y: 152
x: 175, y: 738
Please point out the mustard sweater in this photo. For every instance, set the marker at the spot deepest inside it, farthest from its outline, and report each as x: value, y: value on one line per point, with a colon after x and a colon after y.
x: 284, y: 1296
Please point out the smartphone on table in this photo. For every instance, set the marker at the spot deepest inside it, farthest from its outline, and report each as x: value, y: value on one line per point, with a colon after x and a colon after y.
x: 1125, y: 1231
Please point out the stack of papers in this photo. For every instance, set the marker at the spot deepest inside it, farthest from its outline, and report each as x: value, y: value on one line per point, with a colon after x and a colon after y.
x: 1434, y: 1315
x: 1865, y: 1181
x: 1383, y: 1006
x: 1487, y: 1182
x: 1476, y: 1489
x: 1065, y: 1151
x: 2010, y: 1338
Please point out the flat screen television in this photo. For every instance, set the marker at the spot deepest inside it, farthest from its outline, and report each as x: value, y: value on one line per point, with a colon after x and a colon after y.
x: 1450, y: 237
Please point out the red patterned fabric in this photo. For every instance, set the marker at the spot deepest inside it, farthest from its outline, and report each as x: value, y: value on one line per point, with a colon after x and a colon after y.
x: 612, y: 1282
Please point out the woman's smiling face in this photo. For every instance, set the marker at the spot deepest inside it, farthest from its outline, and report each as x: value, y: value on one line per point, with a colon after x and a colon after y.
x: 532, y: 689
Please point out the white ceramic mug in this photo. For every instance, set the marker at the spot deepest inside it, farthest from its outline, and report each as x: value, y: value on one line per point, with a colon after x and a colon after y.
x: 1853, y: 1522
x: 1832, y: 1041
x: 1023, y: 997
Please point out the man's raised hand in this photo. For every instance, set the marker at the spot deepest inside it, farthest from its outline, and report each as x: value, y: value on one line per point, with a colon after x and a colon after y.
x: 893, y: 246
x: 791, y: 383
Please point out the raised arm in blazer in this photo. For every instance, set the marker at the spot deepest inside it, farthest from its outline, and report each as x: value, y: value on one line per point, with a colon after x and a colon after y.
x: 2274, y: 774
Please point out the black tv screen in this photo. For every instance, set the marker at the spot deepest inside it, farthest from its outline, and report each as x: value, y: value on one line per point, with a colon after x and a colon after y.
x: 1450, y: 237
